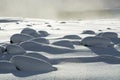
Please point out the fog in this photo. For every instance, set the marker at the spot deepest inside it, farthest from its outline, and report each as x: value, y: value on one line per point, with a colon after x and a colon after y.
x: 60, y: 9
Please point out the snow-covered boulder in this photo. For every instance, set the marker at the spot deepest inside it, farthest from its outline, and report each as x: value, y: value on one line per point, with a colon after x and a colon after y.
x: 31, y: 32
x: 26, y: 63
x: 17, y: 38
x: 43, y: 33
x: 40, y: 40
x: 38, y: 56
x: 7, y: 66
x: 2, y: 49
x: 35, y: 46
x: 14, y: 49
x: 88, y: 32
x: 110, y: 35
x: 96, y: 42
x: 64, y: 43
x: 72, y: 37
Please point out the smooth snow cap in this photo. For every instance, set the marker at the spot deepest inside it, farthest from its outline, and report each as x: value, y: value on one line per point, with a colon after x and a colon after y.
x: 72, y: 37
x: 108, y: 35
x: 64, y: 43
x: 7, y: 66
x: 26, y: 63
x: 31, y: 32
x: 17, y: 38
x: 96, y: 42
x: 88, y: 32
x: 43, y: 33
x: 15, y: 49
x: 38, y: 56
x: 40, y: 40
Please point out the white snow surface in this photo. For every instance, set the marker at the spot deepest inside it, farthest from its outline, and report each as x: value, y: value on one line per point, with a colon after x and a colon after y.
x: 81, y: 63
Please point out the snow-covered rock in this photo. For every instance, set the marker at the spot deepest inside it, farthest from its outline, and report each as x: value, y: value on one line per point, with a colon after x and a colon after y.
x: 26, y: 63
x: 37, y: 55
x: 35, y: 46
x: 96, y: 42
x: 109, y: 35
x: 43, y: 33
x: 7, y: 66
x: 72, y: 37
x: 64, y: 43
x: 14, y: 49
x: 88, y: 32
x: 2, y: 49
x: 31, y: 32
x: 17, y: 38
x: 40, y: 40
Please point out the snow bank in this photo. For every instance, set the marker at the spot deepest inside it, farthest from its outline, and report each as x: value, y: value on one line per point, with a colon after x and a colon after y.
x: 7, y: 66
x: 37, y: 55
x: 17, y: 38
x: 88, y: 32
x: 40, y: 40
x: 109, y: 35
x: 96, y: 42
x: 64, y: 43
x: 72, y: 37
x: 43, y: 33
x: 15, y: 49
x: 30, y: 32
x: 25, y: 63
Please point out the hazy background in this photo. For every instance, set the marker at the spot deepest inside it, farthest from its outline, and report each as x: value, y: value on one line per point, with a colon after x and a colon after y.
x: 60, y: 9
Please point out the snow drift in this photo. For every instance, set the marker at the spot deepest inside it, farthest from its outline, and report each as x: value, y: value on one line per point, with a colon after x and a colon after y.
x: 25, y: 63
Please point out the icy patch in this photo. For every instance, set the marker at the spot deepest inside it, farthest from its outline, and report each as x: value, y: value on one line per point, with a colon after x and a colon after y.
x: 88, y: 32
x: 96, y: 42
x: 40, y: 40
x: 64, y: 43
x: 14, y: 49
x: 7, y: 66
x: 26, y: 63
x: 72, y: 37
x: 17, y: 38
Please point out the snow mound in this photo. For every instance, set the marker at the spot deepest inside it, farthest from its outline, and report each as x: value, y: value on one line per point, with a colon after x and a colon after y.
x: 37, y: 55
x: 17, y: 38
x: 7, y: 66
x: 35, y: 46
x: 30, y: 32
x: 2, y: 49
x: 26, y: 63
x: 110, y: 35
x: 43, y: 33
x: 14, y: 49
x: 64, y: 43
x: 88, y: 32
x: 40, y: 40
x: 72, y: 37
x: 96, y: 42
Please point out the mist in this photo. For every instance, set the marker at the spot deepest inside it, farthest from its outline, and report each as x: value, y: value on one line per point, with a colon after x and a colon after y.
x: 60, y: 9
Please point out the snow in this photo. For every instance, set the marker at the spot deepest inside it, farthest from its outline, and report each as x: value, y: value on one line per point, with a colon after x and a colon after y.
x: 94, y: 57
x: 7, y: 66
x: 26, y: 63
x: 14, y: 49
x: 64, y: 43
x: 17, y: 38
x: 96, y: 42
